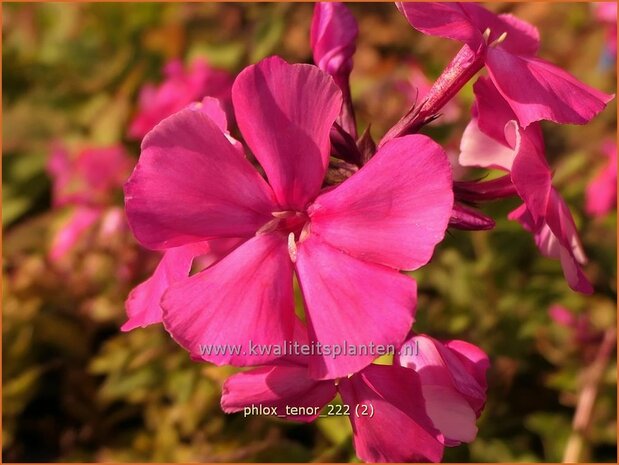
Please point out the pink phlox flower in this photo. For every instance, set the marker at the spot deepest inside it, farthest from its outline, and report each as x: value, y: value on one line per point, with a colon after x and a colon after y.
x: 494, y: 139
x: 433, y: 396
x: 534, y: 88
x: 346, y: 245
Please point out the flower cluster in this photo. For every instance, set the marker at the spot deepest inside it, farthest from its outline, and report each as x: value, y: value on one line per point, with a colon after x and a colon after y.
x: 86, y: 183
x: 344, y: 216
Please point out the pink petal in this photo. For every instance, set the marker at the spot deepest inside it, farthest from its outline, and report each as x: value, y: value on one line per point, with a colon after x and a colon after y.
x: 450, y: 413
x: 190, y: 185
x: 572, y: 255
x: 71, y: 232
x: 522, y: 38
x: 333, y: 37
x: 481, y: 150
x: 466, y: 22
x: 399, y: 430
x: 557, y: 238
x: 492, y: 110
x: 143, y: 304
x: 537, y: 90
x: 244, y: 299
x: 452, y: 386
x: 285, y: 113
x: 447, y: 20
x: 282, y: 387
x: 530, y: 173
x: 394, y: 210
x: 350, y: 302
x: 474, y: 360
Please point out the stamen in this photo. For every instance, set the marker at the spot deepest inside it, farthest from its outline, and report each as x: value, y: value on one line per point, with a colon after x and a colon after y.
x: 486, y: 34
x: 284, y: 214
x: 500, y: 39
x: 292, y: 248
x: 305, y: 232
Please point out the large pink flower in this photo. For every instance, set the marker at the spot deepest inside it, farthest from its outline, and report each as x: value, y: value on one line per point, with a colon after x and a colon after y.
x: 180, y: 88
x: 495, y: 139
x: 534, y: 88
x: 405, y: 412
x: 345, y: 245
x: 87, y: 182
x: 601, y: 194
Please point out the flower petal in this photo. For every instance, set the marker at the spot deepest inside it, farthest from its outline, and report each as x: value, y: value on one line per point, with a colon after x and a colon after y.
x: 69, y: 234
x: 398, y: 429
x: 537, y: 90
x: 190, y: 185
x: 394, y: 210
x: 333, y: 37
x: 281, y: 387
x: 351, y: 303
x: 246, y: 299
x: 143, y: 304
x: 479, y: 149
x: 440, y: 19
x: 437, y: 364
x: 285, y: 113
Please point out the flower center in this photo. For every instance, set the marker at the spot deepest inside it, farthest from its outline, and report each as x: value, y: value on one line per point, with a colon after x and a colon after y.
x: 497, y: 41
x: 292, y: 224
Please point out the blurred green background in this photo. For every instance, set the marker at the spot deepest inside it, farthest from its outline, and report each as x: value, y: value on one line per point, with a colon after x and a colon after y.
x: 76, y: 389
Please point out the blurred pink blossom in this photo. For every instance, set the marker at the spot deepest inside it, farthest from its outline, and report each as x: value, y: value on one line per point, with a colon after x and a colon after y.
x: 606, y: 14
x: 601, y: 193
x: 179, y: 88
x: 89, y: 183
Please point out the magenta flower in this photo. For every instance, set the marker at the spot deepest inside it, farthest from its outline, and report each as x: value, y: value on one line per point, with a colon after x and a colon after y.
x: 601, y: 193
x: 88, y: 183
x: 180, y: 88
x: 494, y: 139
x: 606, y: 14
x: 534, y: 88
x: 345, y: 244
x: 581, y: 330
x: 333, y: 38
x: 447, y: 382
x: 453, y: 384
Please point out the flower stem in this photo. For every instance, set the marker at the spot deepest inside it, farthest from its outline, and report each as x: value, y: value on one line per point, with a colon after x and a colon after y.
x: 586, y: 399
x: 458, y: 72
